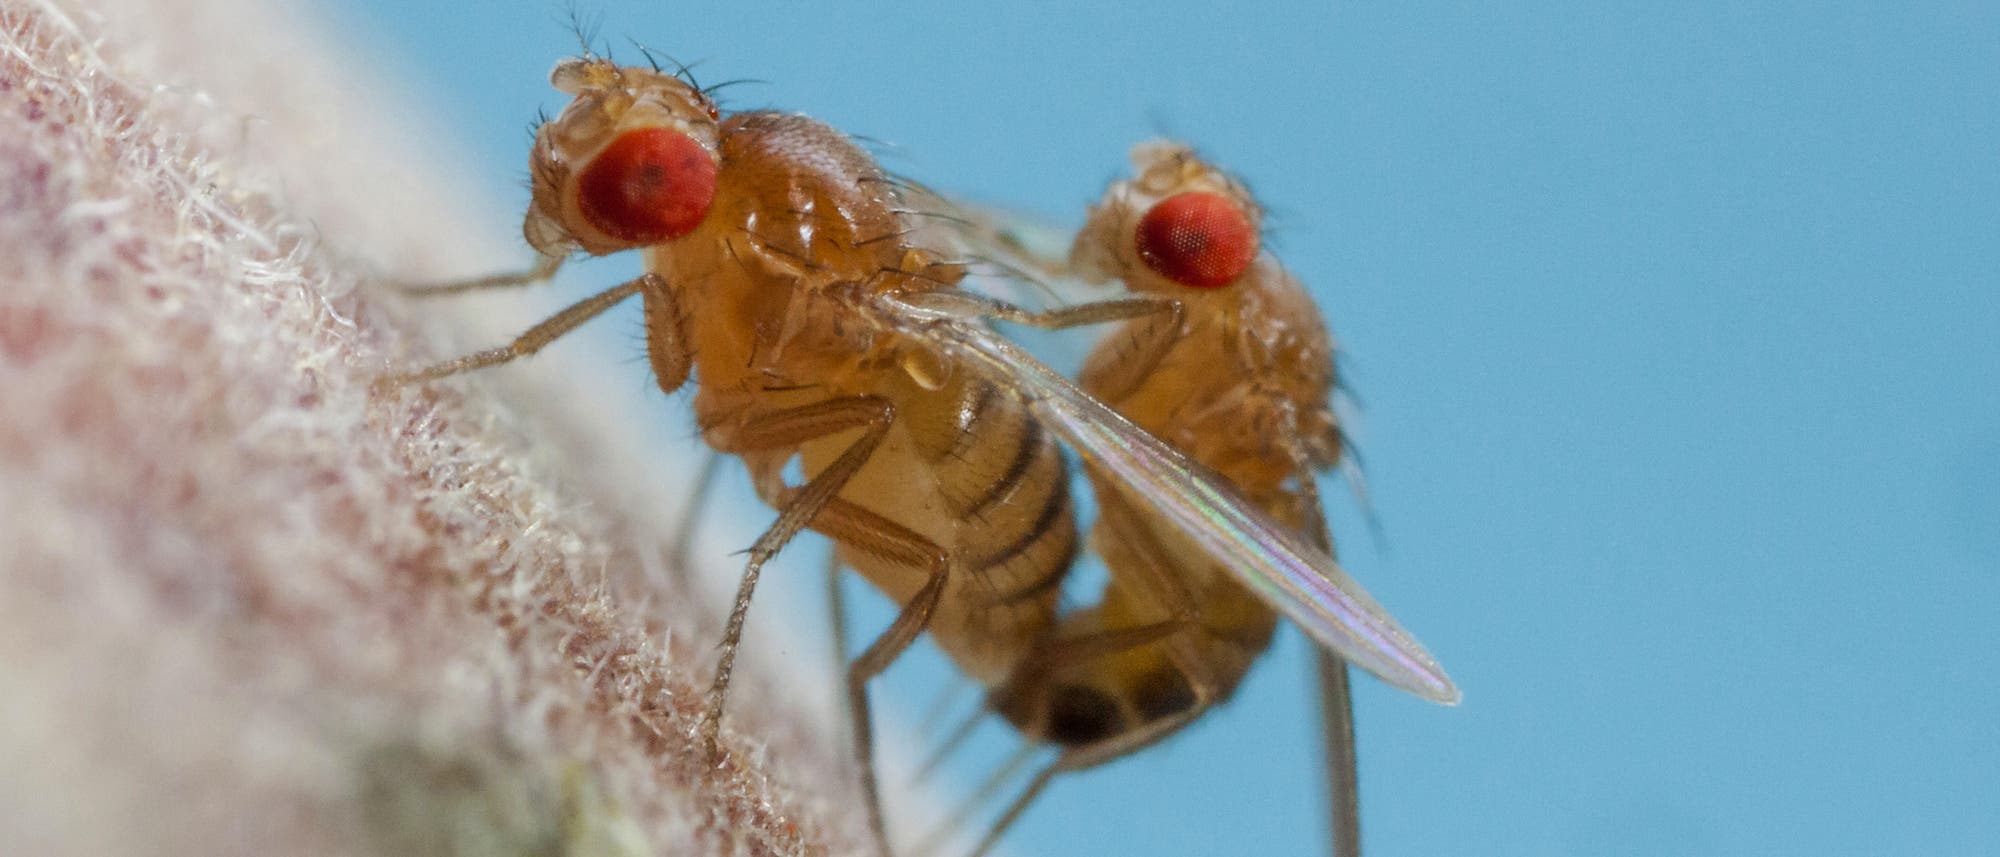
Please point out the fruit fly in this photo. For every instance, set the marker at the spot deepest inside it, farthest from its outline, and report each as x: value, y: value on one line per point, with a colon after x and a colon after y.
x: 770, y: 242
x: 784, y: 275
x: 1240, y: 382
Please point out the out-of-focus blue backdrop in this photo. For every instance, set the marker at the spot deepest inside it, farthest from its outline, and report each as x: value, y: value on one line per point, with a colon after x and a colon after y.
x: 1675, y: 330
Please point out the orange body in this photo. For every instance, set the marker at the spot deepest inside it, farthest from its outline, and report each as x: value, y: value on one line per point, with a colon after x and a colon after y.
x: 786, y: 274
x: 1241, y: 385
x: 764, y: 313
x: 781, y: 263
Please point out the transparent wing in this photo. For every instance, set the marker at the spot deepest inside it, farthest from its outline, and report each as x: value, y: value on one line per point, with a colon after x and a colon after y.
x: 1301, y: 581
x: 1013, y: 255
x: 1026, y: 243
x: 1022, y: 259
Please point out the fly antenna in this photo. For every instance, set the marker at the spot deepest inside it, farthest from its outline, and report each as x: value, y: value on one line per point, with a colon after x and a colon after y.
x: 583, y: 28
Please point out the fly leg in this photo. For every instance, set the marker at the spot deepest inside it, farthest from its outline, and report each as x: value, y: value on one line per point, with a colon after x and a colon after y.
x: 1095, y: 312
x: 544, y: 269
x: 530, y: 341
x: 1126, y: 533
x: 1336, y: 691
x: 787, y: 429
x: 1343, y: 793
x: 1156, y: 328
x: 1178, y: 632
x: 667, y: 350
x: 1089, y: 755
x: 1049, y: 656
x: 680, y: 546
x: 856, y: 528
x: 1054, y: 656
x: 1134, y: 357
x: 1115, y: 746
x: 1146, y: 344
x: 1169, y: 591
x: 836, y: 609
x: 963, y: 303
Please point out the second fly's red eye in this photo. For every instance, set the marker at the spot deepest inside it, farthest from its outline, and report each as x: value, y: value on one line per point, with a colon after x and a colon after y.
x: 649, y: 185
x: 1197, y: 239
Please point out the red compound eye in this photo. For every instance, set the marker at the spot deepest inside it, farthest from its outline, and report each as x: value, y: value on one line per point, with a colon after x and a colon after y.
x: 1197, y: 239
x: 649, y: 185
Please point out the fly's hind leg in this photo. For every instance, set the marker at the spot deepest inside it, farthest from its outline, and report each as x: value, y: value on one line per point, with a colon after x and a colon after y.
x: 787, y: 429
x: 856, y: 528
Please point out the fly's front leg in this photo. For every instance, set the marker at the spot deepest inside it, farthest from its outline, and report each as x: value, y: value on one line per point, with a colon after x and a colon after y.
x: 859, y: 529
x: 666, y: 333
x: 788, y: 429
x: 1157, y: 328
x: 964, y: 303
x: 544, y: 269
x: 1095, y: 312
x: 1141, y: 346
x: 530, y: 341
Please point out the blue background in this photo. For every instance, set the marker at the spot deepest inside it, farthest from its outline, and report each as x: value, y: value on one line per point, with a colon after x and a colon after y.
x: 1674, y: 332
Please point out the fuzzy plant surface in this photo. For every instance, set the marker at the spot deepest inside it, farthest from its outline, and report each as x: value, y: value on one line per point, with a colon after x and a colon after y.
x: 248, y: 606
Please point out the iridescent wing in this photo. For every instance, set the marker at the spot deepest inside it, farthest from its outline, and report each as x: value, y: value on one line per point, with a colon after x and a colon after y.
x: 1301, y: 581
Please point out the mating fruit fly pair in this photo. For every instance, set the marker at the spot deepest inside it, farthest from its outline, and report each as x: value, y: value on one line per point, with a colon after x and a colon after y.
x: 786, y: 273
